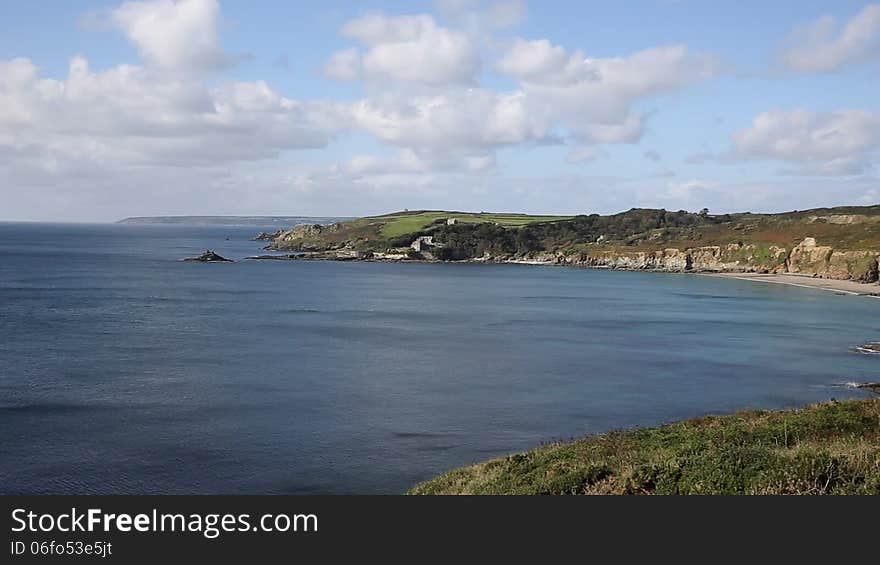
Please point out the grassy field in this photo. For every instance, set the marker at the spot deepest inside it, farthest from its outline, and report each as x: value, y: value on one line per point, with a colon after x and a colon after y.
x: 400, y: 223
x: 831, y: 448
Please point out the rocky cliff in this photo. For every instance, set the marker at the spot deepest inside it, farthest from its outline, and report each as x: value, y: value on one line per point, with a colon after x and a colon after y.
x: 806, y: 258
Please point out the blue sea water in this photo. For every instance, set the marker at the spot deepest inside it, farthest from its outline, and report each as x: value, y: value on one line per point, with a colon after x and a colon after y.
x: 125, y: 370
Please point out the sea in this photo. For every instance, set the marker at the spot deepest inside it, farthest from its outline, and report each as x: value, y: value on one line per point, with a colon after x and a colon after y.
x: 126, y: 370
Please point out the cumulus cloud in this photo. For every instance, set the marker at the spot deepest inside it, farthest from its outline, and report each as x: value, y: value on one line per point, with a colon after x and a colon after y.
x: 141, y: 115
x: 819, y: 143
x: 421, y: 78
x: 472, y: 118
x: 823, y: 46
x: 533, y: 60
x: 174, y: 34
x: 405, y: 48
x: 593, y: 97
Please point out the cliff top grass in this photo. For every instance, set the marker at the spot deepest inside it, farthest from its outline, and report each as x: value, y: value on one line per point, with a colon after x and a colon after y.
x: 401, y: 223
x: 830, y: 448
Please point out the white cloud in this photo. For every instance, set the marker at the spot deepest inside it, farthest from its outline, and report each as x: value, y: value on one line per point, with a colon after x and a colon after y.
x: 533, y: 60
x: 454, y: 120
x: 664, y: 172
x: 818, y: 143
x: 687, y: 194
x: 408, y: 49
x: 409, y: 161
x: 593, y: 97
x: 422, y: 96
x: 180, y: 35
x: 141, y: 115
x: 817, y: 48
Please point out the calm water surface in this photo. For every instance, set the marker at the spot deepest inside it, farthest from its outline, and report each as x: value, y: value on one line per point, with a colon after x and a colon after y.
x: 124, y: 370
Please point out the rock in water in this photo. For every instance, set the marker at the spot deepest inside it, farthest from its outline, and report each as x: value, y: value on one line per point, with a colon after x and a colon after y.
x: 873, y: 387
x: 209, y: 257
x: 870, y: 348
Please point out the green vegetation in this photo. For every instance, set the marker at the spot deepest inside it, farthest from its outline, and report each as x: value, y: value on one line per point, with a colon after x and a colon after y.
x: 831, y: 448
x: 510, y: 235
x: 377, y: 233
x: 401, y: 223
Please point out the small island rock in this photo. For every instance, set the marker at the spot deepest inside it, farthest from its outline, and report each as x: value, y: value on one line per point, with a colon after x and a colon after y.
x: 209, y: 257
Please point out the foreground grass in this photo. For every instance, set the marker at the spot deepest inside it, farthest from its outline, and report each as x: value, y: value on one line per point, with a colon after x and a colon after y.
x: 831, y: 448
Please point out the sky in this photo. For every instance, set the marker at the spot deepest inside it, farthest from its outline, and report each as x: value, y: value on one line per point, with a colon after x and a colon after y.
x: 111, y: 109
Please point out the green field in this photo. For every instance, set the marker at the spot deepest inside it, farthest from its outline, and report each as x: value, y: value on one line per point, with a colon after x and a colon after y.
x: 401, y: 223
x: 831, y: 448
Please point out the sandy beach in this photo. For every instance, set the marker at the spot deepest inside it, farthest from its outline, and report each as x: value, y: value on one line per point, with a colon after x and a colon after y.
x: 841, y: 286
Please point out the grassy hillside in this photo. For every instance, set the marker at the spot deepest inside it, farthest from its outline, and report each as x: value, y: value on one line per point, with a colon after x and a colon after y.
x: 401, y: 228
x: 473, y: 235
x: 831, y: 448
x: 401, y: 223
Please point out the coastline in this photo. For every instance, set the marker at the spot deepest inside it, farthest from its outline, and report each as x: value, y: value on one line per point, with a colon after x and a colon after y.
x: 841, y: 286
x: 833, y: 285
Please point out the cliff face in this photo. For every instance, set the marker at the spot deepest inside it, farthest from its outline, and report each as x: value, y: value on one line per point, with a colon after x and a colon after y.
x: 823, y: 261
x: 303, y: 231
x: 806, y: 258
x: 304, y: 237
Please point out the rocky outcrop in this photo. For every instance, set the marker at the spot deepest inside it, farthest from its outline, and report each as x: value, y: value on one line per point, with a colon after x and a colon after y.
x: 808, y: 258
x: 843, y: 219
x: 861, y: 266
x: 729, y: 258
x: 268, y: 236
x: 873, y: 387
x: 209, y: 257
x: 870, y: 348
x: 665, y: 260
x: 305, y: 231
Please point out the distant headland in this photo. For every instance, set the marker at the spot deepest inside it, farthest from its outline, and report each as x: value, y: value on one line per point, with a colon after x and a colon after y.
x: 838, y: 247
x: 258, y: 221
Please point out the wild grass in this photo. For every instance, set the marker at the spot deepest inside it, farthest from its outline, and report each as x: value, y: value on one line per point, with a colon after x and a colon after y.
x: 830, y: 448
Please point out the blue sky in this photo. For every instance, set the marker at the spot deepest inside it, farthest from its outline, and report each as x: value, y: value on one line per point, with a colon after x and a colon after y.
x: 112, y: 109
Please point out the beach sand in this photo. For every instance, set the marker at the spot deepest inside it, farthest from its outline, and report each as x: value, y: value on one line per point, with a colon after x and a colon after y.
x: 845, y: 287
